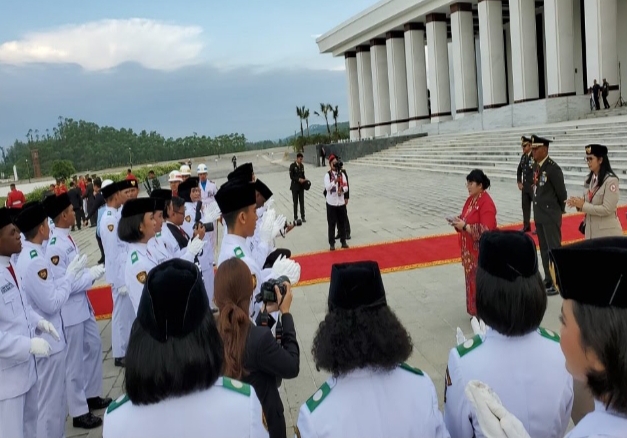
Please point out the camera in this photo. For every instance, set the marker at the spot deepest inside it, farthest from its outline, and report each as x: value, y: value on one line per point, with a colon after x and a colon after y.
x: 268, y: 294
x: 338, y: 164
x: 208, y: 226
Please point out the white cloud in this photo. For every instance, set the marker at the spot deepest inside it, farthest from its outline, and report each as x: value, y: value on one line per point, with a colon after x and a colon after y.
x: 101, y: 45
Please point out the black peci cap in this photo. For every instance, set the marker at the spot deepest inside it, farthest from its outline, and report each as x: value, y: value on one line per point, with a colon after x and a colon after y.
x: 263, y: 189
x: 109, y: 190
x: 55, y: 205
x: 598, y: 150
x: 356, y: 285
x: 6, y: 216
x: 127, y: 184
x: 235, y: 195
x: 161, y: 196
x: 133, y: 207
x: 185, y: 188
x: 244, y: 172
x: 508, y: 254
x: 31, y: 215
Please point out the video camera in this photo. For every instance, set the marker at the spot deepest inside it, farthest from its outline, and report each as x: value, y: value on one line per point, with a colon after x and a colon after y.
x: 268, y: 294
x: 338, y: 164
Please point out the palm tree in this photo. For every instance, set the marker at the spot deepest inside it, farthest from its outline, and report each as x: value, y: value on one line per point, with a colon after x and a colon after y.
x: 306, y: 117
x: 324, y: 110
x: 300, y: 111
x: 336, y: 114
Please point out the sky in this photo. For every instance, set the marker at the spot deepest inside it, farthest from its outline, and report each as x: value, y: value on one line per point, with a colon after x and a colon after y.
x: 205, y: 66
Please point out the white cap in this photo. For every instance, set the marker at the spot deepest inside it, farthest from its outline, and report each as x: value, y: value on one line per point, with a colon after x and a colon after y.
x: 105, y: 183
x: 185, y: 170
x: 201, y: 168
x: 175, y: 175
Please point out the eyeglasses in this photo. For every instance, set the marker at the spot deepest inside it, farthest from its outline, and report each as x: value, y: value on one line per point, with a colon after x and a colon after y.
x: 589, y: 159
x: 179, y: 212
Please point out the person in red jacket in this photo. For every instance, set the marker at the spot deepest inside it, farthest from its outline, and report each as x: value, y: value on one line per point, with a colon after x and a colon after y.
x: 15, y: 198
x: 129, y: 175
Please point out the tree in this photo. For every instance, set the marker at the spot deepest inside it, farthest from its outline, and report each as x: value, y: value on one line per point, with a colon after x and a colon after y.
x: 336, y: 115
x: 324, y: 110
x: 300, y: 111
x: 62, y: 169
x: 306, y: 117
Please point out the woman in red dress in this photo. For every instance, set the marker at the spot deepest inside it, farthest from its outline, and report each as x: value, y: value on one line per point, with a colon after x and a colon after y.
x: 478, y: 216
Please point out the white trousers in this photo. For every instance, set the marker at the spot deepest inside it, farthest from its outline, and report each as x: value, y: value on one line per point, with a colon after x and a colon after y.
x: 52, y: 396
x: 18, y: 415
x: 83, y: 371
x: 121, y: 323
x: 207, y: 278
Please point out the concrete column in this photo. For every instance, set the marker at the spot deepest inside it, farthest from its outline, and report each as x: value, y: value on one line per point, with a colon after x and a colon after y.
x: 493, y: 79
x: 350, y: 59
x: 397, y: 75
x: 601, y: 44
x: 380, y: 85
x: 366, y: 102
x: 464, y: 68
x: 560, y: 57
x: 522, y: 18
x: 439, y: 80
x: 416, y: 74
x: 578, y: 45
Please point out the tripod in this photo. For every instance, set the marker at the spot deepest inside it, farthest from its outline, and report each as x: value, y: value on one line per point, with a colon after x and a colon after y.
x: 620, y: 102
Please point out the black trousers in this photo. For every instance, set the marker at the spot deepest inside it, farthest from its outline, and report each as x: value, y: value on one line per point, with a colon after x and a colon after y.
x: 605, y: 103
x: 80, y: 217
x: 299, y: 196
x: 336, y: 216
x: 322, y: 157
x: 347, y: 226
x: 549, y: 237
x: 102, y: 255
x: 596, y: 103
x: 527, y: 199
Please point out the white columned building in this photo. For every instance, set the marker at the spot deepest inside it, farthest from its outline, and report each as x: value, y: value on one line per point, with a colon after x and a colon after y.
x: 413, y: 64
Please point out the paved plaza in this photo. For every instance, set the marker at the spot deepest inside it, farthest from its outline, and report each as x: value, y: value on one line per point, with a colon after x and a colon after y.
x: 385, y: 205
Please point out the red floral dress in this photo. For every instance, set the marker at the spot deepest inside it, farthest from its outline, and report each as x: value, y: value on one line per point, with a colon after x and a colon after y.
x: 479, y: 213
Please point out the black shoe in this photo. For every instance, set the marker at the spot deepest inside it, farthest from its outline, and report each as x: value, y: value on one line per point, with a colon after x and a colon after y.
x: 344, y: 245
x: 525, y: 229
x: 337, y: 237
x: 551, y: 291
x: 304, y: 220
x: 96, y: 403
x: 73, y: 228
x: 100, y: 262
x: 332, y: 248
x: 87, y: 421
x: 120, y: 362
x: 348, y: 237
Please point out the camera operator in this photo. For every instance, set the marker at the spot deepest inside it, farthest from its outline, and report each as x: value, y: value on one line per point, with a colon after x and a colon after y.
x: 336, y: 186
x: 251, y: 352
x: 297, y: 175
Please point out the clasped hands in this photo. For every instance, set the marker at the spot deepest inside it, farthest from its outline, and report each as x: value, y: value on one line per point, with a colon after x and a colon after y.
x: 575, y: 202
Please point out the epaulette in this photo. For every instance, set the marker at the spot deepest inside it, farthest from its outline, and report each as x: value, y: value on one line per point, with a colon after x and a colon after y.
x: 52, y: 241
x: 33, y: 253
x: 411, y: 369
x: 469, y: 345
x: 109, y: 213
x: 315, y: 400
x: 239, y: 253
x: 549, y: 334
x: 134, y: 257
x: 236, y: 385
x: 117, y: 403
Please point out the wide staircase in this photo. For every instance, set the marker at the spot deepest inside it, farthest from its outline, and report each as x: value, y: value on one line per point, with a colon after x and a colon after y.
x: 498, y: 152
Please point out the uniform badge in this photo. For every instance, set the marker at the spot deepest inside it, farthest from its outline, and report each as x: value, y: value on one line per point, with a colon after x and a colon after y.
x: 141, y: 277
x: 188, y: 218
x: 238, y: 253
x: 613, y: 188
x: 110, y: 227
x: 109, y: 213
x: 134, y: 257
x: 33, y: 253
x: 133, y: 182
x: 43, y: 274
x: 54, y: 260
x: 53, y: 241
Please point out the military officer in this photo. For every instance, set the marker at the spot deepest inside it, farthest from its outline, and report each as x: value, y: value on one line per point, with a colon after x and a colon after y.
x: 524, y: 177
x: 515, y: 352
x: 18, y: 344
x: 84, y: 346
x: 549, y: 203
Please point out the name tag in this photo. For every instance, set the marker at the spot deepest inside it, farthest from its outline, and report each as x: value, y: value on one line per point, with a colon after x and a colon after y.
x: 69, y: 250
x: 7, y: 287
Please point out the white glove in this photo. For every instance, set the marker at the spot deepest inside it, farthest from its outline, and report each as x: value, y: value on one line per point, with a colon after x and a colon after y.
x: 279, y: 225
x: 478, y: 327
x: 266, y: 230
x: 97, y: 272
x: 47, y: 327
x: 459, y: 336
x: 494, y: 419
x: 77, y: 265
x: 212, y: 212
x: 269, y: 203
x: 123, y: 291
x: 195, y: 246
x: 40, y: 347
x: 287, y: 267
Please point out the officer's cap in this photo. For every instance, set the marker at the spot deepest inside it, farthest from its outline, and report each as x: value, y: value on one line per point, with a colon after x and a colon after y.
x: 127, y: 184
x: 244, y: 172
x: 235, y: 195
x: 174, y: 301
x: 185, y: 188
x: 161, y: 196
x: 356, y: 285
x: 55, y: 205
x: 108, y: 190
x: 31, y: 215
x: 537, y: 142
x: 508, y: 255
x: 263, y: 189
x: 598, y: 150
x: 133, y: 207
x: 592, y: 272
x: 524, y: 140
x: 6, y: 216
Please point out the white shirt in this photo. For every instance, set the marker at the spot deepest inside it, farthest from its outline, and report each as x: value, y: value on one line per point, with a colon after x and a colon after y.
x: 115, y: 250
x: 229, y: 409
x: 373, y: 404
x: 333, y: 185
x: 158, y: 248
x: 527, y: 372
x: 208, y: 191
x: 258, y: 249
x: 139, y: 262
x: 600, y: 423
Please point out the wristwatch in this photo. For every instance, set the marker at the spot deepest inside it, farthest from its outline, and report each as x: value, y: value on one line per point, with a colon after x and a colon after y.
x: 464, y: 227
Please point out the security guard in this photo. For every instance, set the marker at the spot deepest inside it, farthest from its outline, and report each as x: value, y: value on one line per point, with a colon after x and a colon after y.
x: 524, y: 176
x: 297, y: 176
x: 549, y: 203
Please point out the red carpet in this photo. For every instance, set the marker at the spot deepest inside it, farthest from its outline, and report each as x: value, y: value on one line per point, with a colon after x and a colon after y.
x: 393, y: 256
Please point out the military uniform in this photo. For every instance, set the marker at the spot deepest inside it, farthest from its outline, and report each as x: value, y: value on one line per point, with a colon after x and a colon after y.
x: 600, y: 423
x: 159, y: 248
x: 507, y: 364
x: 139, y: 262
x: 368, y: 403
x: 524, y: 176
x: 549, y: 197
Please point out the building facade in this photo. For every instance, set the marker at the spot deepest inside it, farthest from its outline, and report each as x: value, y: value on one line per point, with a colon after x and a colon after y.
x: 491, y: 63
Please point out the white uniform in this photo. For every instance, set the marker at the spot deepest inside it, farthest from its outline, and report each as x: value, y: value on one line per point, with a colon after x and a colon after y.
x: 205, y: 258
x: 47, y: 295
x: 207, y: 196
x: 527, y: 372
x: 367, y: 403
x: 83, y: 373
x: 229, y: 409
x: 600, y: 423
x: 259, y: 250
x: 18, y: 375
x: 172, y: 245
x: 115, y: 252
x: 138, y: 264
x: 158, y: 248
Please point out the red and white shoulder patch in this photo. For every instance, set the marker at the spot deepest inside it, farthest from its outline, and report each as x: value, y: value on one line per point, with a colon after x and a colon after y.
x: 613, y: 188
